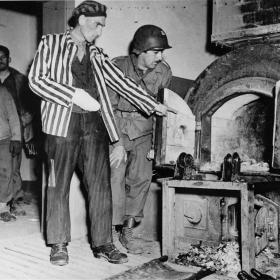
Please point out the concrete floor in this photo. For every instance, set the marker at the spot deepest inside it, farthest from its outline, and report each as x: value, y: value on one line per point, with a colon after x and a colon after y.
x: 24, y: 254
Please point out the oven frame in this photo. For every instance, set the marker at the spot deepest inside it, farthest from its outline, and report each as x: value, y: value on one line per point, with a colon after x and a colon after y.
x: 243, y: 190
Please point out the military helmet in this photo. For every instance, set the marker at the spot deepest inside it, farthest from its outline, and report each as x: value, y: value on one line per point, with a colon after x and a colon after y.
x: 148, y: 37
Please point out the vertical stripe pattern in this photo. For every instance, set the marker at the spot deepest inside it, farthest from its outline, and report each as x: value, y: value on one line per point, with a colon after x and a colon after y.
x: 51, y: 78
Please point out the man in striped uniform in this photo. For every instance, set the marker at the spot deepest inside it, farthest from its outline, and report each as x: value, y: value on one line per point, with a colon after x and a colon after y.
x: 71, y: 74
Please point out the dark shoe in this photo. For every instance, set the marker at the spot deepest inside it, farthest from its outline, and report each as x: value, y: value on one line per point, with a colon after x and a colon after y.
x: 7, y: 217
x: 243, y: 275
x: 261, y: 276
x: 16, y: 207
x: 110, y: 253
x: 59, y: 254
x: 17, y: 210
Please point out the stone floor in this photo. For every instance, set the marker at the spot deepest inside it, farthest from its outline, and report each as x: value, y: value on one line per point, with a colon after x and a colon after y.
x: 24, y: 254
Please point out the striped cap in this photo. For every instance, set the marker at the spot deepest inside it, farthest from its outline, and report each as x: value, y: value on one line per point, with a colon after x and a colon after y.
x: 90, y: 9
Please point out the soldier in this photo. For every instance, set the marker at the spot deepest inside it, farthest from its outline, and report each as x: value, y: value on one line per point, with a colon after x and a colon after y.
x: 131, y: 169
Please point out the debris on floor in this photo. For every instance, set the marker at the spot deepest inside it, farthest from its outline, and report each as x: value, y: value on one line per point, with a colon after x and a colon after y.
x: 223, y: 259
x: 269, y: 263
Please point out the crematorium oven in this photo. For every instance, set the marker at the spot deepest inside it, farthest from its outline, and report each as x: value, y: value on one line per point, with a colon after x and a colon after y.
x: 231, y: 109
x: 223, y: 146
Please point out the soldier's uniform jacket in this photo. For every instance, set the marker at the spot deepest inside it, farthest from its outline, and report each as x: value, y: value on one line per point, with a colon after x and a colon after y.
x: 130, y: 120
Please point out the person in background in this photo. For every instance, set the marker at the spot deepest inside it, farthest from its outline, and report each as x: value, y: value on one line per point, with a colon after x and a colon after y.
x: 10, y: 148
x: 131, y: 167
x: 70, y: 74
x: 17, y: 85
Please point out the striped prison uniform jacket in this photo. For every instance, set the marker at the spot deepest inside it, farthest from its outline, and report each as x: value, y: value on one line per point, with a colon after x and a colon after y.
x: 51, y: 78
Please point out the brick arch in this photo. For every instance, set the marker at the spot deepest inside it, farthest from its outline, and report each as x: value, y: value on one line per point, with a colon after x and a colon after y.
x: 253, y: 68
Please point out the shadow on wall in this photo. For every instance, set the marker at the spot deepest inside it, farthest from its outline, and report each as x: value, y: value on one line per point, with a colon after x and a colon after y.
x: 181, y: 86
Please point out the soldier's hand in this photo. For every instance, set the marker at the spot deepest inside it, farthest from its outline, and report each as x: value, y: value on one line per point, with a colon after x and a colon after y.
x: 85, y: 101
x: 117, y: 155
x: 15, y: 147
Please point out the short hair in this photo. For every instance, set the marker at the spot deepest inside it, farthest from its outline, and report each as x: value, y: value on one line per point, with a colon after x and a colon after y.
x: 87, y: 8
x: 5, y: 50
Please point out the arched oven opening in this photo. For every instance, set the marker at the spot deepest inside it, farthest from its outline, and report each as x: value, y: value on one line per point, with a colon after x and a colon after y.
x: 233, y: 103
x: 241, y: 123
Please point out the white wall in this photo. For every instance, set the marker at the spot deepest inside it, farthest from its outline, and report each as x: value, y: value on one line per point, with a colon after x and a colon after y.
x: 19, y: 33
x: 183, y: 21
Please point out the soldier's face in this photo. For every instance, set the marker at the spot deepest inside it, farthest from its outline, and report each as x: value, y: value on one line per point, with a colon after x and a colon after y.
x: 4, y: 61
x: 150, y: 59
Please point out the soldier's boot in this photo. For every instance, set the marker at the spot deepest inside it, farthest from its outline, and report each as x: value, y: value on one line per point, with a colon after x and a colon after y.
x: 132, y: 245
x: 116, y: 240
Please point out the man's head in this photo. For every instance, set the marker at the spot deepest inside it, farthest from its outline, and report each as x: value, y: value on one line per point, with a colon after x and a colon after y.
x: 89, y: 17
x: 4, y: 58
x: 148, y: 43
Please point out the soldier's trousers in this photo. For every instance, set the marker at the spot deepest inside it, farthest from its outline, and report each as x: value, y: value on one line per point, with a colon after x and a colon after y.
x: 131, y: 180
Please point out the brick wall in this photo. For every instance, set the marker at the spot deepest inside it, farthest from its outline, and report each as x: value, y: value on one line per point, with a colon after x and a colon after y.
x: 260, y: 12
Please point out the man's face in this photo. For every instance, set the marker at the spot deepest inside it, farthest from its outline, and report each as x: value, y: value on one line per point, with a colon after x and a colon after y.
x: 149, y: 59
x: 91, y: 27
x: 4, y: 61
